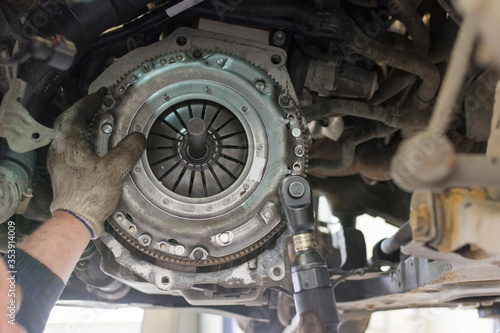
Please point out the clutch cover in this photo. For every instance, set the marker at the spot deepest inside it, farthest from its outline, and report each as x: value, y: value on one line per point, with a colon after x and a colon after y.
x: 222, y: 134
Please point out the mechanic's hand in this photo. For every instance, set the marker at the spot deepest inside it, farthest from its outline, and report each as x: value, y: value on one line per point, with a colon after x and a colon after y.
x: 84, y: 184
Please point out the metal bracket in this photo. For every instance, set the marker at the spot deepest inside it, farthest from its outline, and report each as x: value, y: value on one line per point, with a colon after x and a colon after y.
x: 22, y: 132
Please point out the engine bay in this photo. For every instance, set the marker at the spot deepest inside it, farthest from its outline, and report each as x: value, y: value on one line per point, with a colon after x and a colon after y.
x: 386, y: 108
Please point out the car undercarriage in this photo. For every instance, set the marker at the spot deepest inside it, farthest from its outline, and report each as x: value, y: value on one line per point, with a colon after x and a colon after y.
x: 380, y: 107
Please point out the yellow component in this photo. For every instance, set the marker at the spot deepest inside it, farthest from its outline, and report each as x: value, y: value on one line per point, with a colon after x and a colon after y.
x: 448, y: 204
x: 305, y: 241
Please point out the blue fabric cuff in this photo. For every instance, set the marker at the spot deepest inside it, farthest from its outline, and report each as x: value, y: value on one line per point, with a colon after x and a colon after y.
x: 84, y: 223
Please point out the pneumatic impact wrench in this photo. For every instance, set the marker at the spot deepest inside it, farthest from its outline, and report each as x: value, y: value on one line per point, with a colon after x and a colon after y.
x: 311, y: 281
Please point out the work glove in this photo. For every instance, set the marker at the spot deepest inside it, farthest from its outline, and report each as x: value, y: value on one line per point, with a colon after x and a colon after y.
x: 84, y: 184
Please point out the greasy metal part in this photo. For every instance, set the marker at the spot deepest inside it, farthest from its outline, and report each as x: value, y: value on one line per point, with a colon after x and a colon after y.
x: 450, y: 220
x: 411, y: 63
x: 16, y: 172
x: 198, y: 148
x: 427, y: 160
x: 389, y: 115
x: 400, y: 238
x: 328, y: 78
x: 197, y: 137
x: 22, y: 132
x: 311, y: 281
x: 333, y: 128
x: 188, y: 206
x: 270, y: 268
x: 349, y: 151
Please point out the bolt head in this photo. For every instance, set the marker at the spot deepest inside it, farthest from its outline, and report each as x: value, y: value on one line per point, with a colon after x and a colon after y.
x: 296, y: 132
x: 225, y: 238
x: 107, y: 128
x: 108, y: 101
x: 285, y: 99
x: 179, y: 250
x: 296, y: 189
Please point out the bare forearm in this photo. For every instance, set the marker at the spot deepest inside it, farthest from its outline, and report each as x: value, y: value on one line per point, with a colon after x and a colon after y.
x: 58, y: 243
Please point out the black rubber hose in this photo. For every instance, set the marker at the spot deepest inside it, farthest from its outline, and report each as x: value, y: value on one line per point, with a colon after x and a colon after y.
x: 398, y: 82
x: 379, y: 52
x: 338, y: 25
x: 412, y: 20
x: 401, y: 237
x: 348, y: 151
x: 389, y: 115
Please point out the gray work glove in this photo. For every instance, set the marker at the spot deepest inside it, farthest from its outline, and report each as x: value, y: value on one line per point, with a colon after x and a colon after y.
x: 84, y: 184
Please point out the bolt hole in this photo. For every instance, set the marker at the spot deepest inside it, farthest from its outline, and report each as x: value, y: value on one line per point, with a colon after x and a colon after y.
x: 129, y: 218
x: 173, y: 242
x: 181, y: 40
x: 165, y: 280
x: 277, y: 271
x: 35, y: 135
x: 276, y: 59
x: 296, y: 166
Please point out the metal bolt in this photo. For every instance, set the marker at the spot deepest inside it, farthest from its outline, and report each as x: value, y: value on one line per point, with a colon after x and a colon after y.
x: 146, y: 67
x: 246, y: 186
x: 179, y: 57
x: 296, y: 132
x: 179, y: 250
x: 261, y: 85
x: 198, y: 254
x: 296, y: 189
x: 132, y: 228
x: 163, y: 61
x: 108, y: 101
x: 166, y: 201
x: 133, y: 77
x: 299, y: 151
x: 138, y: 169
x: 119, y: 217
x: 279, y: 38
x: 145, y: 239
x: 285, y: 99
x: 208, y: 90
x: 244, y: 108
x: 209, y: 208
x: 163, y: 245
x: 138, y: 128
x: 260, y: 147
x: 166, y: 97
x: 220, y: 62
x: 107, y: 128
x: 268, y: 214
x: 197, y: 54
x: 225, y: 238
x: 121, y: 89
